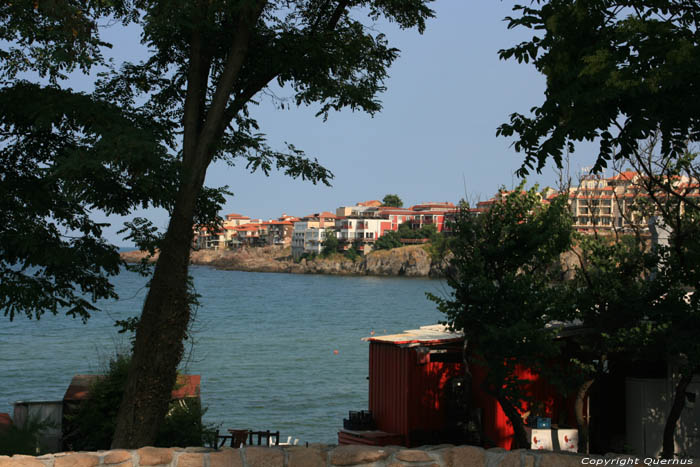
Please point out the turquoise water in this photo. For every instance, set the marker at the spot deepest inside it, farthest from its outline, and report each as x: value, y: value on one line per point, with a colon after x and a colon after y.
x: 264, y: 344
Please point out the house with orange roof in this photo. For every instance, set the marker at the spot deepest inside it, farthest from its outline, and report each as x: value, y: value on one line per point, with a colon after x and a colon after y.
x: 279, y: 232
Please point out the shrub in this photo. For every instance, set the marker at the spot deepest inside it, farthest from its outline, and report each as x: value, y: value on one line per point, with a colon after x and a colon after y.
x: 183, y: 425
x: 92, y: 427
x: 23, y: 440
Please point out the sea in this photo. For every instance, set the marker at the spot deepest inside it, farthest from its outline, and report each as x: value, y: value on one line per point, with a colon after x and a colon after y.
x: 275, y: 351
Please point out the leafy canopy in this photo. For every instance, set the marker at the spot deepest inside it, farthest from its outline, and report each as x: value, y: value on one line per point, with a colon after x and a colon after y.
x: 617, y: 71
x: 66, y: 155
x: 392, y: 200
x: 502, y: 297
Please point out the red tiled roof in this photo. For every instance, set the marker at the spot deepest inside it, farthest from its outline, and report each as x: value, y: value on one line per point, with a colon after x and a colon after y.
x: 245, y: 227
x: 186, y: 386
x: 626, y: 175
x: 79, y: 387
x: 318, y: 215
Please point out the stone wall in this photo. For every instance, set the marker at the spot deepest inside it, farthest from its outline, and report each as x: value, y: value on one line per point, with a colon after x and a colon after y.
x: 315, y: 456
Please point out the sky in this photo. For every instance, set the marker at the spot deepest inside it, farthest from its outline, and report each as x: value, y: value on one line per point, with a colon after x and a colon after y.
x: 434, y: 140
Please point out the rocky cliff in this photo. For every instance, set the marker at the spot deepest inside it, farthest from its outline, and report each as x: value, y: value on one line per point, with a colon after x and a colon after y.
x: 410, y: 261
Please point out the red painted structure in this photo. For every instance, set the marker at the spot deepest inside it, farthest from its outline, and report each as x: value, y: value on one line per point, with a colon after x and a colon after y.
x: 497, y: 429
x: 407, y: 386
x: 408, y: 378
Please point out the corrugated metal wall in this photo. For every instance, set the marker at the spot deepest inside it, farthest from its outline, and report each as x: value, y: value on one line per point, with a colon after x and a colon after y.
x: 406, y: 390
x: 388, y: 387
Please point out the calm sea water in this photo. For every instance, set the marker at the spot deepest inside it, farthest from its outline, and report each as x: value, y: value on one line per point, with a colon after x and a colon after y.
x: 264, y: 344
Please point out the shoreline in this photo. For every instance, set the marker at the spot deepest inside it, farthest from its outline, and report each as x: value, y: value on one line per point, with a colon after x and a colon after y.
x: 407, y: 261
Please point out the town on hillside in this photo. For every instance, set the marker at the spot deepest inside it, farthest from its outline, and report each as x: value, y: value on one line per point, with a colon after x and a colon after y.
x: 598, y: 205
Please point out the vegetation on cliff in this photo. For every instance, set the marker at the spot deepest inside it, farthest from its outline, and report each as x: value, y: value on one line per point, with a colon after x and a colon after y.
x: 412, y: 261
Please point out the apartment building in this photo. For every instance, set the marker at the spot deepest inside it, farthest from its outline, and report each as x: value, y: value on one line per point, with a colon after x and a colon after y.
x: 432, y: 214
x: 606, y: 204
x: 309, y: 233
x: 279, y: 232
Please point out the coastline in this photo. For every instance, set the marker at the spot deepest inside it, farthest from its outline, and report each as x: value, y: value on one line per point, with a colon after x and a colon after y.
x: 407, y: 261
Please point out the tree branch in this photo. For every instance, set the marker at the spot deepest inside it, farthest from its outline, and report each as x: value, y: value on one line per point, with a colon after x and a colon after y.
x: 257, y: 85
x: 197, y: 77
x: 234, y: 63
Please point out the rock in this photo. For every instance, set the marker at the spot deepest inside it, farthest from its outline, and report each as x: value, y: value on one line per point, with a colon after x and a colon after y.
x: 117, y: 456
x: 410, y: 261
x: 227, y: 457
x: 465, y: 456
x: 190, y: 459
x: 264, y: 457
x: 412, y: 455
x: 77, y: 460
x: 21, y: 461
x: 306, y: 457
x: 154, y: 456
x: 357, y: 454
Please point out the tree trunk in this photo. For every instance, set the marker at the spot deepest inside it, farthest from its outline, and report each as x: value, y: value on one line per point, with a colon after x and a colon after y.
x: 675, y: 414
x: 159, y: 336
x: 520, y: 438
x: 580, y: 419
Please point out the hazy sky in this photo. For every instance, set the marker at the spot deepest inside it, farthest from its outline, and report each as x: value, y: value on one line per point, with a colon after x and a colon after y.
x: 435, y: 139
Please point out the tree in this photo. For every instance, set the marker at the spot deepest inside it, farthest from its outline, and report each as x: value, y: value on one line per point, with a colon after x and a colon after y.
x: 186, y: 105
x: 670, y: 186
x: 330, y: 244
x: 209, y: 60
x: 613, y: 299
x: 389, y: 240
x: 505, y: 262
x: 66, y: 155
x: 392, y: 201
x: 617, y: 71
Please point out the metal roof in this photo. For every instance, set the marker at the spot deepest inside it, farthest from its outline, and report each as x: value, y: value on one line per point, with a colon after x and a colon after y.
x: 433, y: 334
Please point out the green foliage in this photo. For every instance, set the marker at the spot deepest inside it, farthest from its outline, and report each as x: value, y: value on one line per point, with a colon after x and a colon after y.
x: 183, y: 425
x: 159, y: 124
x: 54, y: 38
x: 66, y: 155
x: 612, y: 295
x: 438, y: 248
x: 92, y: 427
x: 24, y: 440
x: 330, y: 244
x: 352, y: 253
x: 393, y: 201
x: 392, y: 239
x: 504, y: 293
x: 616, y: 72
x: 389, y: 240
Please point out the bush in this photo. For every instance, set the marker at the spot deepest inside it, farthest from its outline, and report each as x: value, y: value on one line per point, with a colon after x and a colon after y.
x: 352, y: 253
x: 388, y: 241
x: 24, y: 440
x: 92, y: 427
x: 183, y: 425
x: 330, y: 244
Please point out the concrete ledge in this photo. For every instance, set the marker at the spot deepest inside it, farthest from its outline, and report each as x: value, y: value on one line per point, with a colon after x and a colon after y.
x: 444, y: 455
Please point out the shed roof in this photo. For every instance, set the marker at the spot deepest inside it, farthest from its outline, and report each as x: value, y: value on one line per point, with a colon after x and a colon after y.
x: 186, y: 386
x: 433, y: 334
